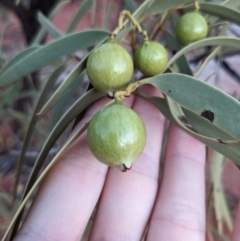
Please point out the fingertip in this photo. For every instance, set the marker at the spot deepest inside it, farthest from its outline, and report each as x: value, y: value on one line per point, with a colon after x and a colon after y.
x: 180, y: 205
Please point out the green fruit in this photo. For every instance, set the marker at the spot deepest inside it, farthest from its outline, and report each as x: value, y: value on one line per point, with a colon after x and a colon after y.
x: 151, y: 58
x: 116, y: 135
x: 191, y: 27
x: 110, y: 67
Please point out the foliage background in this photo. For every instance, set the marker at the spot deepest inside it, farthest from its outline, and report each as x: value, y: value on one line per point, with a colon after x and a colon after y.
x: 18, y: 101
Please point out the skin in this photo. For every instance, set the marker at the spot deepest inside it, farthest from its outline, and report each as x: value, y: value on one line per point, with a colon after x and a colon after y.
x: 173, y: 207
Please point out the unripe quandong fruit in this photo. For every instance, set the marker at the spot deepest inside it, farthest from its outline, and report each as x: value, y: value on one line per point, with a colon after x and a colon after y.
x: 110, y: 67
x: 191, y: 27
x: 151, y: 58
x: 116, y: 135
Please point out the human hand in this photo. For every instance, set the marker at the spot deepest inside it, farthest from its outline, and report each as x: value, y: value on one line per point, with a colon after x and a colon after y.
x: 126, y: 202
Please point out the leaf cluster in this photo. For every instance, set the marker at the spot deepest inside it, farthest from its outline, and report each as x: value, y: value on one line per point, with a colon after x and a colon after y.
x: 200, y: 109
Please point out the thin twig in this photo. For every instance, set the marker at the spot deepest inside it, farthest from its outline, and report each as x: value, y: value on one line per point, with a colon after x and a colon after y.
x: 196, y: 5
x: 162, y: 24
x: 127, y: 14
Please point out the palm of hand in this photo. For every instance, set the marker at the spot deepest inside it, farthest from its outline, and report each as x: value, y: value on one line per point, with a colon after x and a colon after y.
x: 174, y: 208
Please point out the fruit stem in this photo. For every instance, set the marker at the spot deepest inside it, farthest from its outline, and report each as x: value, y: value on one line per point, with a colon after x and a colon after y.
x: 120, y: 26
x: 120, y: 95
x: 196, y: 5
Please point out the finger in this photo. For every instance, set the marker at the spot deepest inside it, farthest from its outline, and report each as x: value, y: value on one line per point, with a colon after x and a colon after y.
x: 68, y: 194
x: 128, y: 198
x: 179, y: 213
x: 236, y: 230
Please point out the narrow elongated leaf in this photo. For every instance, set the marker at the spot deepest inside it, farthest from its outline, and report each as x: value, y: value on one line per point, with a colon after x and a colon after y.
x: 41, y: 32
x: 26, y: 94
x: 82, y: 9
x: 14, y: 223
x: 106, y: 20
x: 130, y: 5
x: 80, y: 105
x: 181, y: 119
x: 174, y: 45
x: 48, y: 26
x: 10, y: 95
x: 203, y: 126
x: 231, y: 4
x: 22, y: 55
x: 50, y: 52
x: 214, y: 41
x: 17, y: 115
x: 201, y: 98
x: 220, y: 204
x: 79, y: 68
x: 148, y: 8
x: 45, y: 92
x: 205, y: 62
x: 221, y: 11
x: 183, y: 68
x: 161, y: 6
x: 60, y: 106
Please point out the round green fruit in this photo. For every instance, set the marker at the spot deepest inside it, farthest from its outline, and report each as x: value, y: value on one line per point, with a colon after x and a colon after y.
x: 191, y: 27
x: 110, y: 67
x: 116, y: 135
x: 151, y: 58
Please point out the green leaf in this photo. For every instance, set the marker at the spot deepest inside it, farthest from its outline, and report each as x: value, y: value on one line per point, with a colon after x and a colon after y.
x: 60, y: 106
x: 149, y: 8
x: 214, y: 41
x: 222, y: 211
x: 205, y: 62
x: 79, y: 68
x: 5, y: 211
x: 17, y: 217
x: 17, y: 115
x: 198, y: 97
x: 48, y: 26
x: 231, y: 4
x: 10, y: 95
x: 161, y: 6
x: 221, y: 12
x: 81, y: 11
x: 130, y: 5
x: 50, y: 52
x: 203, y: 126
x: 18, y: 58
x: 182, y: 62
x: 181, y: 119
x: 106, y: 20
x: 80, y: 105
x: 44, y: 94
x: 41, y: 32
